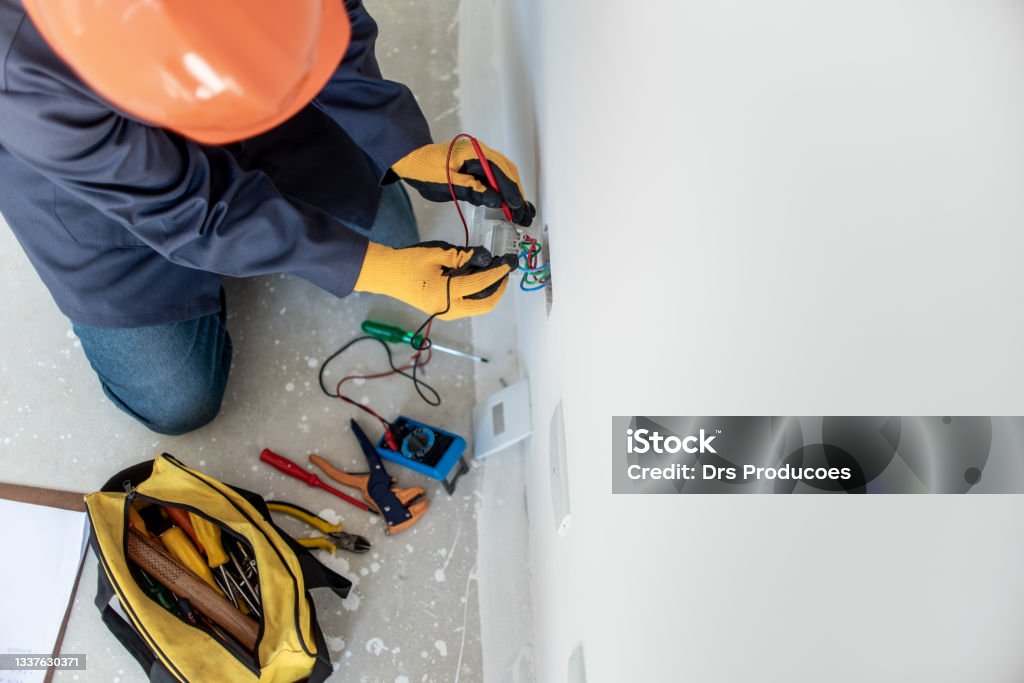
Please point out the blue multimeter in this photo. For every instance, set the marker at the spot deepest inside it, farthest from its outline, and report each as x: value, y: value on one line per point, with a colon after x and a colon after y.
x: 428, y: 450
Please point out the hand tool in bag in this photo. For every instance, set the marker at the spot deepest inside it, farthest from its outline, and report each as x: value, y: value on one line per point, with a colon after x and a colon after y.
x: 208, y: 535
x: 201, y: 621
x: 291, y: 469
x: 183, y: 521
x: 336, y: 537
x: 135, y: 520
x: 252, y: 596
x: 249, y: 568
x: 157, y: 591
x: 400, y: 507
x: 396, y: 335
x: 177, y: 544
x: 185, y: 583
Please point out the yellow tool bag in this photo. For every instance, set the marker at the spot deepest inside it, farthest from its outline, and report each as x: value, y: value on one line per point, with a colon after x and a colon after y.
x: 208, y: 588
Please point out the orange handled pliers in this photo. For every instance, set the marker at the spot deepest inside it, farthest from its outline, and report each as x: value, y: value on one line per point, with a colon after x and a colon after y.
x: 400, y: 507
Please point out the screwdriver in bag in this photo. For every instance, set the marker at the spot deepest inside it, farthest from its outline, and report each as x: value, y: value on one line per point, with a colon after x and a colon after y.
x: 183, y: 520
x: 396, y: 335
x: 177, y: 543
x: 208, y: 535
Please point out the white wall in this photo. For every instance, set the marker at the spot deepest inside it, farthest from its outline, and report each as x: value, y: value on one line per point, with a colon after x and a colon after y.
x: 766, y: 208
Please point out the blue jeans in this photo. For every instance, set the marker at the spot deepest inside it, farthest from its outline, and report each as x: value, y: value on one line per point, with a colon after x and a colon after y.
x: 171, y: 377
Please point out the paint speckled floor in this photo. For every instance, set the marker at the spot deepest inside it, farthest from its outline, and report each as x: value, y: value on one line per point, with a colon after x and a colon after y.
x: 413, y: 614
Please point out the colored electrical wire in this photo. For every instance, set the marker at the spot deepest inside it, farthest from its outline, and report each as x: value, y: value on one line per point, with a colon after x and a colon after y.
x: 534, y: 277
x: 451, y: 185
x: 426, y: 392
x: 522, y: 285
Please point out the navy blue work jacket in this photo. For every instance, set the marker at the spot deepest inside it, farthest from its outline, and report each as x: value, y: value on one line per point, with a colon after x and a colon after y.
x: 131, y: 225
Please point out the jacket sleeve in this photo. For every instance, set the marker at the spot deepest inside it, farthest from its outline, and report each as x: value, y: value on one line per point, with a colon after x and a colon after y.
x: 381, y: 116
x: 192, y: 204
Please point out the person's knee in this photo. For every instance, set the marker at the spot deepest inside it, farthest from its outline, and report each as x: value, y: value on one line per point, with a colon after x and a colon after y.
x: 187, y: 413
x: 170, y: 378
x: 176, y: 409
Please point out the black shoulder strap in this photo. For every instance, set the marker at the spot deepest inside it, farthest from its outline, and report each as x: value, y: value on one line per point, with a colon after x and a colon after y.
x: 125, y: 633
x: 322, y: 667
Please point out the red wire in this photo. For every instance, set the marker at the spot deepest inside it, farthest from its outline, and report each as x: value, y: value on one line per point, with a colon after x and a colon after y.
x: 451, y: 186
x: 387, y: 425
x: 531, y: 255
x: 491, y: 180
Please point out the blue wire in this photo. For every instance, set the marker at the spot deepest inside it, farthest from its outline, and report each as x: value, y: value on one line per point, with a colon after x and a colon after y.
x: 546, y: 267
x: 522, y: 285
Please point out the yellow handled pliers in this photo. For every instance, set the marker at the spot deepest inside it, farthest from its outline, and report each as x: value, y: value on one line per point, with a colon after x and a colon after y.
x: 336, y: 536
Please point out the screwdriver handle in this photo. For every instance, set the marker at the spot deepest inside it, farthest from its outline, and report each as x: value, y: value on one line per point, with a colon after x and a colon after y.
x: 391, y: 333
x: 182, y: 521
x: 183, y: 551
x: 291, y: 469
x: 209, y: 534
x: 135, y: 520
x: 156, y: 591
x: 288, y: 467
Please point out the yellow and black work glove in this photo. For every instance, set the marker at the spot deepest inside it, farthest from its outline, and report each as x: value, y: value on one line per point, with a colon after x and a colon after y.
x: 425, y: 169
x: 437, y: 277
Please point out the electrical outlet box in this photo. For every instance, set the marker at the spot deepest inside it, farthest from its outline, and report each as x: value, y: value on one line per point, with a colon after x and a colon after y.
x: 559, y: 475
x: 501, y: 420
x: 490, y: 229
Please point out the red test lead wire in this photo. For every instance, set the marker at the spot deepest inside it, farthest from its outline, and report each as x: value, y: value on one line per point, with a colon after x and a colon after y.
x: 487, y: 172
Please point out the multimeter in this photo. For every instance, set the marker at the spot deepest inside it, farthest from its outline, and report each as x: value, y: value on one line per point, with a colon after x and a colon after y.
x: 428, y: 450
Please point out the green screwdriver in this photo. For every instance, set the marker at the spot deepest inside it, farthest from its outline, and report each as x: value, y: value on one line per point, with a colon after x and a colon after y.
x: 396, y: 335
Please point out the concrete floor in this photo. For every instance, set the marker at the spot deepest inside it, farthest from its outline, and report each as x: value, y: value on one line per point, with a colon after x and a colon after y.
x: 413, y: 614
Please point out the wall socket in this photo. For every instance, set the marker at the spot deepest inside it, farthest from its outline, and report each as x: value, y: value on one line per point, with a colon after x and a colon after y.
x: 559, y: 476
x: 491, y: 230
x: 577, y: 667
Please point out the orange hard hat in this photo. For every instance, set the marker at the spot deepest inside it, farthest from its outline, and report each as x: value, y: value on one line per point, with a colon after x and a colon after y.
x: 216, y: 71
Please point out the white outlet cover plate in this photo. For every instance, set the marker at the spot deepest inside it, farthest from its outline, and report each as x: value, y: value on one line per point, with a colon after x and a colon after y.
x: 502, y: 420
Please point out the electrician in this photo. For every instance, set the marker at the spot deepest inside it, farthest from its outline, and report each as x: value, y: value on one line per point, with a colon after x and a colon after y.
x: 149, y: 147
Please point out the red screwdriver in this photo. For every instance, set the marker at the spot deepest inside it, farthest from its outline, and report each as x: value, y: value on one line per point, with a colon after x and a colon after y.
x: 288, y: 467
